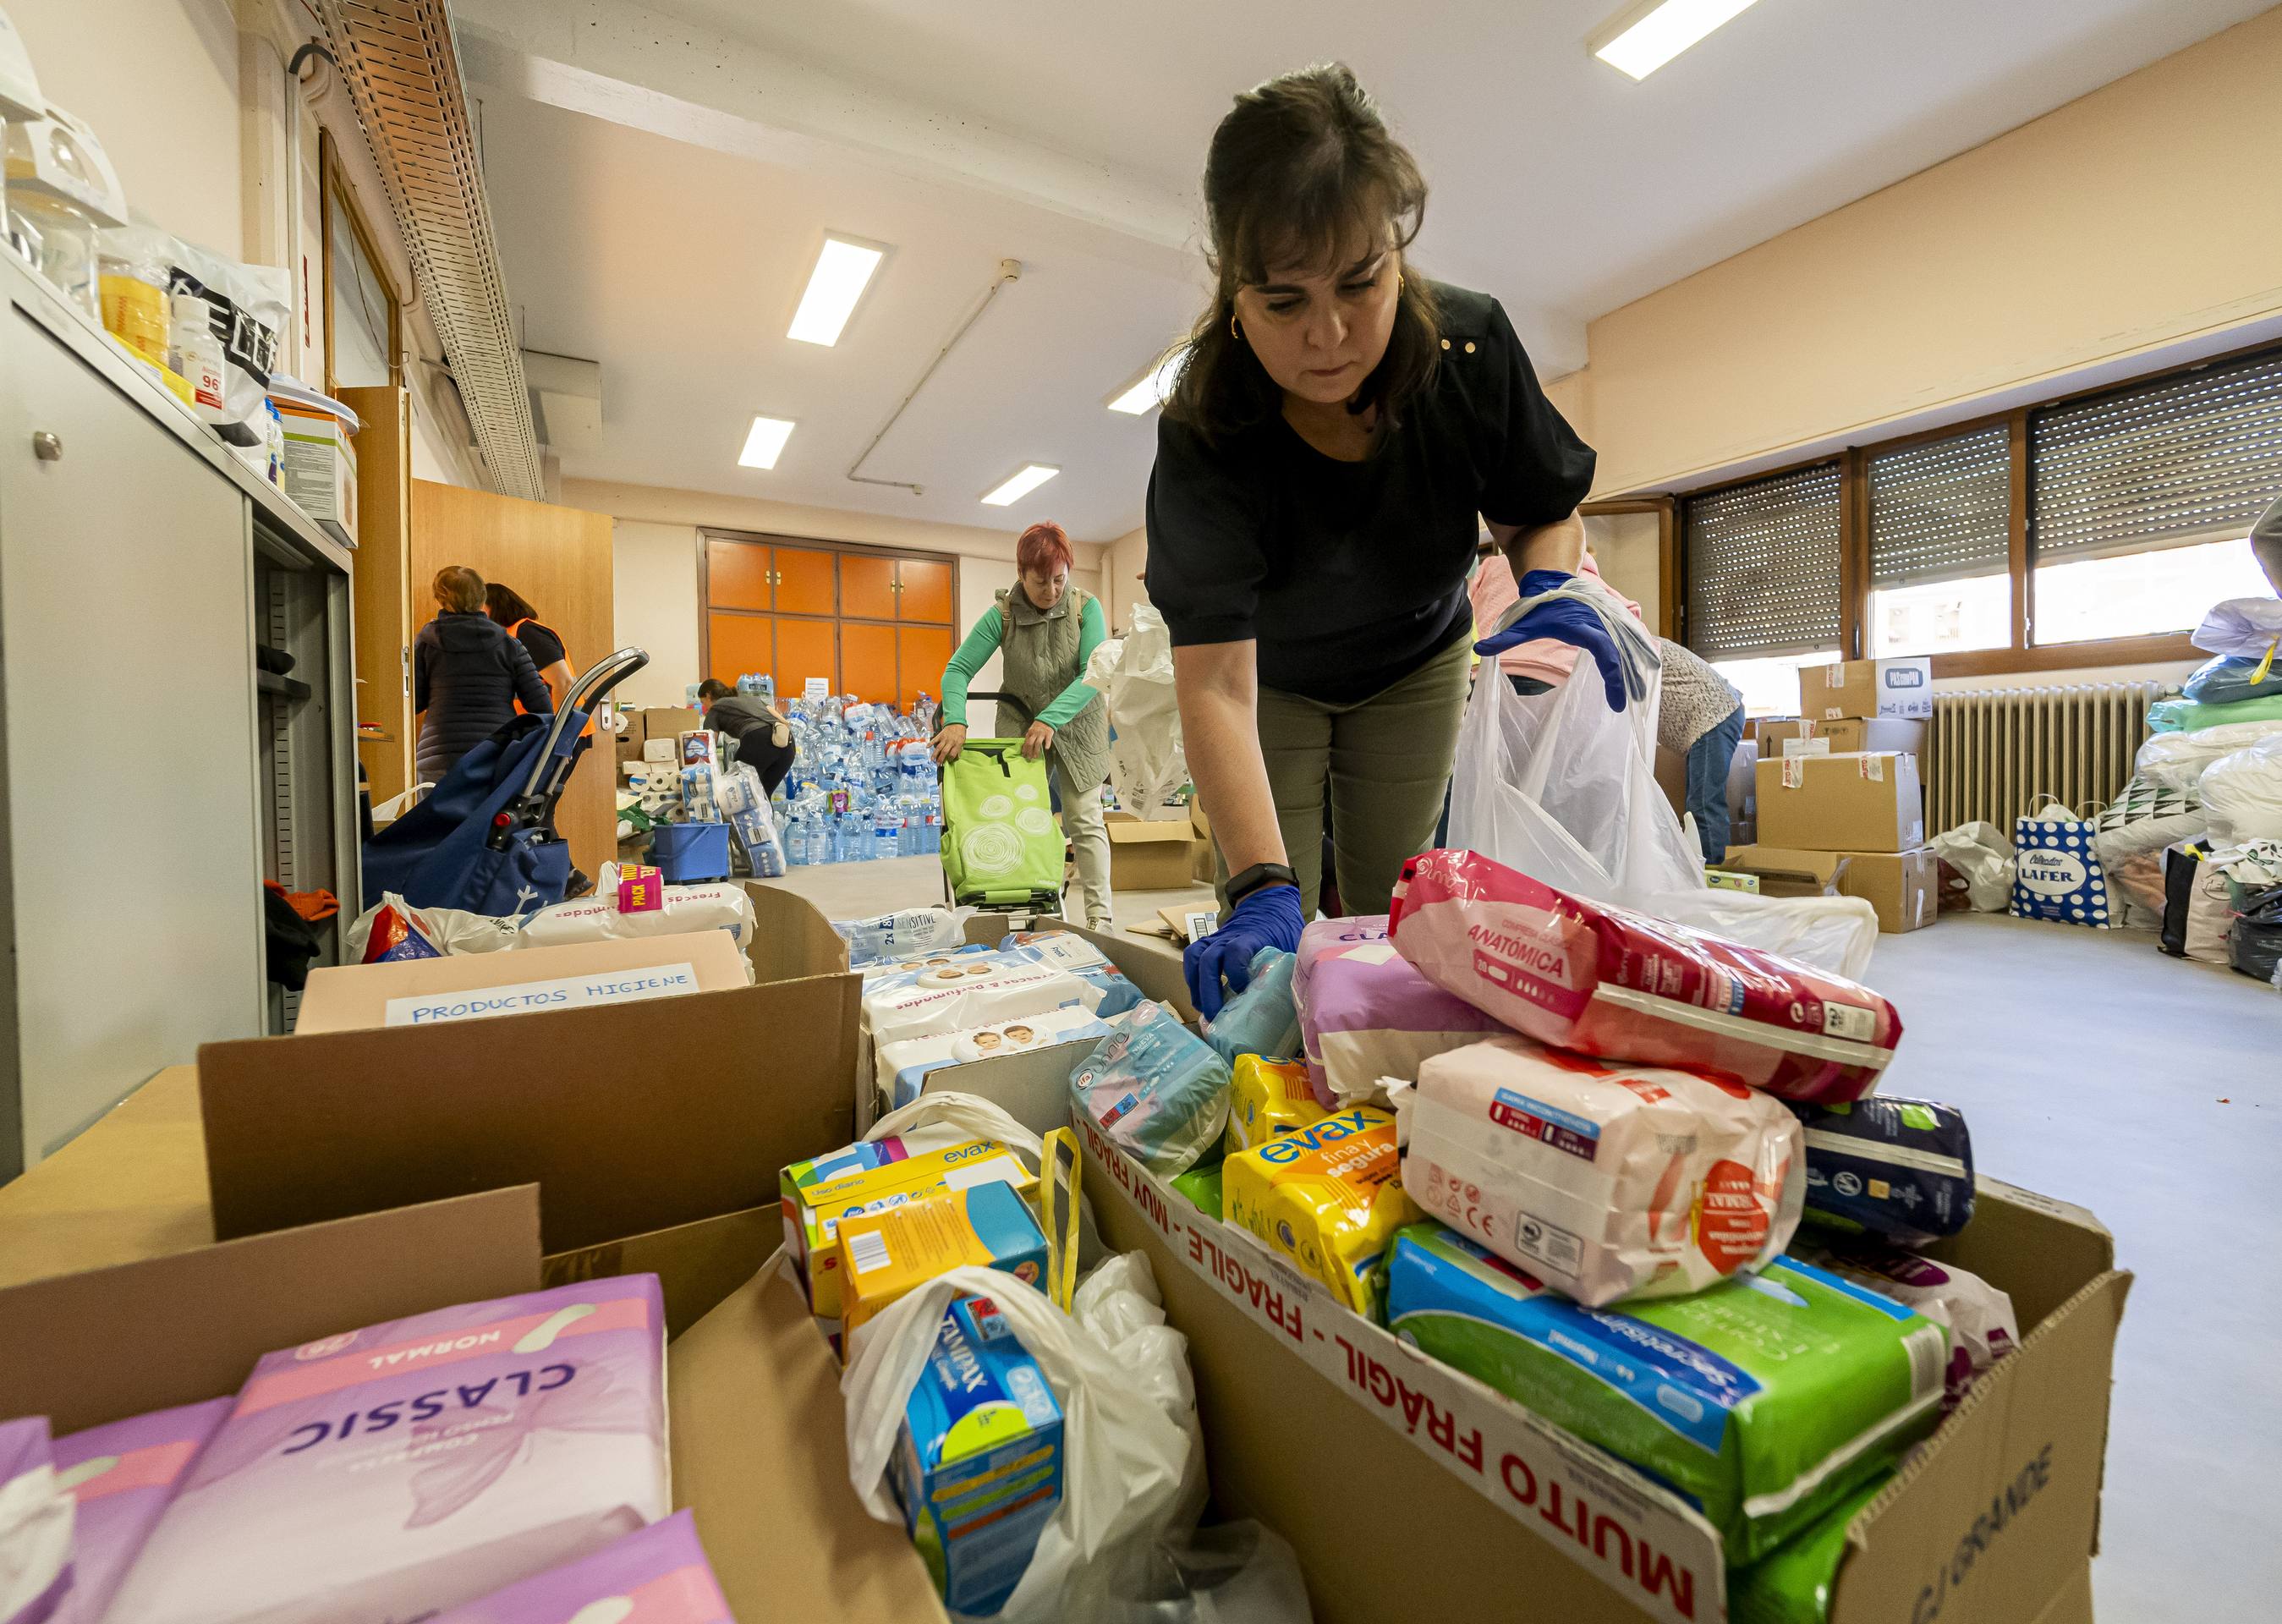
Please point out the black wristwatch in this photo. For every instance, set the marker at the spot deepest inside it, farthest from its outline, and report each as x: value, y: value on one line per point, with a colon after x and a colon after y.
x: 1258, y: 877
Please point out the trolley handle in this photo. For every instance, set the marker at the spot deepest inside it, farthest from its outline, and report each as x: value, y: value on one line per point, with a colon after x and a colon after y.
x: 1021, y: 706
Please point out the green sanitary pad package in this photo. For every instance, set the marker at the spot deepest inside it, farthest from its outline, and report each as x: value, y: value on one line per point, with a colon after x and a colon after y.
x: 1765, y: 1399
x: 1792, y: 1583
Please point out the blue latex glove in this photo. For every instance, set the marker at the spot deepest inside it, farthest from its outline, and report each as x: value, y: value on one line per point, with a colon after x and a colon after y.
x: 1268, y: 917
x: 1565, y: 622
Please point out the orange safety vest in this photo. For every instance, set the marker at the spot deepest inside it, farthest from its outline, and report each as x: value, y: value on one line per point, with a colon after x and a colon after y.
x: 589, y: 731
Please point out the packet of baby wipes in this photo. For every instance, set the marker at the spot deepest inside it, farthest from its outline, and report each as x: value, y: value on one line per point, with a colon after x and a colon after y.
x: 1766, y: 1399
x: 1328, y: 1197
x: 1603, y: 980
x: 1266, y: 1097
x: 904, y: 1066
x: 911, y: 934
x: 1156, y: 1089
x: 655, y: 1575
x: 121, y: 1476
x: 35, y: 1525
x: 1979, y: 1317
x: 964, y: 992
x: 1261, y: 1019
x: 385, y: 1474
x: 1067, y: 950
x: 1901, y: 1169
x: 1607, y: 1181
x: 1366, y: 1013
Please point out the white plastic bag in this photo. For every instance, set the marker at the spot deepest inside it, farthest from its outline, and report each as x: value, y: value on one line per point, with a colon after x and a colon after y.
x: 454, y: 930
x: 1979, y: 851
x: 2242, y: 792
x: 1134, y: 676
x: 2244, y: 628
x: 2177, y: 760
x: 941, y: 1118
x: 1564, y: 788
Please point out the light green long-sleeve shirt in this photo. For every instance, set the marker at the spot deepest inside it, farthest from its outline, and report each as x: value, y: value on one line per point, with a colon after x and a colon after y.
x: 972, y: 655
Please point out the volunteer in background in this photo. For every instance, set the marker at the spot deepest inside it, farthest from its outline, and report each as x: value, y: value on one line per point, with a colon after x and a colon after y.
x: 468, y: 675
x: 1048, y: 630
x: 764, y: 738
x: 1702, y: 719
x: 1339, y: 430
x: 511, y: 609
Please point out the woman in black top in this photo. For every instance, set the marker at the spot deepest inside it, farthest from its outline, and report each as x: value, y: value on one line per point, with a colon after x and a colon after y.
x: 511, y: 610
x: 1339, y: 429
x: 468, y: 675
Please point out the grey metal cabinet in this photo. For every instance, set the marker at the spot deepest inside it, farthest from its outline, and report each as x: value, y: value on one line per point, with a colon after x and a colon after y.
x: 152, y: 780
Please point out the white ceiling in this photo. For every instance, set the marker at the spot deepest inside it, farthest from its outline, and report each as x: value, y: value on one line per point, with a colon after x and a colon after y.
x: 660, y: 179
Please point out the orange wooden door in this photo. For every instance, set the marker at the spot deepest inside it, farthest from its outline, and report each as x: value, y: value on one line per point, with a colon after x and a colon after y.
x: 803, y: 580
x: 739, y: 643
x: 867, y: 660
x: 867, y: 586
x: 921, y: 652
x: 925, y: 594
x: 805, y: 650
x: 736, y: 575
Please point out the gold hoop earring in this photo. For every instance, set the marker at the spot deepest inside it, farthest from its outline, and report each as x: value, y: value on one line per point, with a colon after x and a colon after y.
x: 1234, y: 331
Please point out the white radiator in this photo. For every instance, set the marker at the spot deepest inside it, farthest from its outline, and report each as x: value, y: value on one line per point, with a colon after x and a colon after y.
x: 1993, y: 752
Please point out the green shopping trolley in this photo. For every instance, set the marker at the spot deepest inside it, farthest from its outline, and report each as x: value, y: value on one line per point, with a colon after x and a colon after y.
x: 1002, y: 849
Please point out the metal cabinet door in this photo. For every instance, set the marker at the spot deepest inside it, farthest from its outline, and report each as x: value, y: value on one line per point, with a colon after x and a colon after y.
x: 132, y: 862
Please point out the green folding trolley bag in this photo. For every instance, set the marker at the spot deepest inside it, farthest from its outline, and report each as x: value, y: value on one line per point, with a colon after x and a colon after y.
x: 1001, y: 847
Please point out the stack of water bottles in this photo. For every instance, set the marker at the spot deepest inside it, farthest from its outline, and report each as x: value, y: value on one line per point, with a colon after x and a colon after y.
x: 863, y: 784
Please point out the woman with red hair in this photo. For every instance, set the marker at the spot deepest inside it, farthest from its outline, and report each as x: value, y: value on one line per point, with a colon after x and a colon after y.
x: 1047, y: 629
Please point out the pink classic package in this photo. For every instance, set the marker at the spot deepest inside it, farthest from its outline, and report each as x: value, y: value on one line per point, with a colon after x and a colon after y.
x: 1608, y: 982
x: 1365, y: 1013
x: 656, y: 1577
x: 385, y: 1473
x: 121, y: 1475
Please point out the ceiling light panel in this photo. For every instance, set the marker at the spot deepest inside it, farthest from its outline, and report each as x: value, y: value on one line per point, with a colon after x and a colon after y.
x: 765, y: 443
x: 1021, y: 486
x: 1148, y: 391
x: 843, y: 270
x: 1641, y: 40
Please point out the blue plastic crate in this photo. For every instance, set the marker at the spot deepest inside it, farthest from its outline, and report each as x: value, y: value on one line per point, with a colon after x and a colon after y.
x: 689, y: 852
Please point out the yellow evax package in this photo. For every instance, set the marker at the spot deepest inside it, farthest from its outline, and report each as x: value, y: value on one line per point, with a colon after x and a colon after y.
x: 1266, y: 1097
x: 1328, y: 1196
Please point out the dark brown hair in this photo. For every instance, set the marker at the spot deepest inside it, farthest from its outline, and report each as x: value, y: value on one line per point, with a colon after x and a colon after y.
x: 506, y: 605
x: 460, y: 589
x: 1301, y: 169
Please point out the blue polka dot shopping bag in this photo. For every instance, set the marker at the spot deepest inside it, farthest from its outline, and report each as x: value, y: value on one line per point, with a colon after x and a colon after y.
x: 2055, y: 874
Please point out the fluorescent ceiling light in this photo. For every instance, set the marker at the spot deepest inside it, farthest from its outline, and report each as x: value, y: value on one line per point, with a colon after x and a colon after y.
x: 1021, y: 486
x: 1644, y: 38
x: 765, y: 443
x: 1148, y: 391
x: 842, y: 271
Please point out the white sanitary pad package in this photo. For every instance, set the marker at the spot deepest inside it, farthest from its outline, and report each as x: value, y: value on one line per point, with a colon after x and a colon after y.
x: 385, y: 1474
x: 903, y: 1066
x: 1606, y: 1181
x: 965, y: 990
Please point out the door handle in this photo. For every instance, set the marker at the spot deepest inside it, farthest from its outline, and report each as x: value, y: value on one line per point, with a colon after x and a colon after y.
x: 47, y: 447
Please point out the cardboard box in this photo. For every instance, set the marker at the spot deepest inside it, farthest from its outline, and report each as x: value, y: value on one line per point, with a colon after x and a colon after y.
x: 1841, y: 735
x: 1481, y: 1510
x: 1203, y: 864
x: 1149, y: 857
x: 1904, y: 886
x: 319, y: 468
x: 1861, y: 803
x: 478, y: 986
x: 668, y: 722
x: 1866, y: 687
x: 1788, y: 872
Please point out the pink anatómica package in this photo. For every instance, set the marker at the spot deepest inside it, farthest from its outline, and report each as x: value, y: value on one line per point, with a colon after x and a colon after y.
x: 1366, y: 1013
x: 385, y: 1473
x: 1606, y: 980
x: 658, y: 1576
x: 35, y: 1525
x: 121, y: 1476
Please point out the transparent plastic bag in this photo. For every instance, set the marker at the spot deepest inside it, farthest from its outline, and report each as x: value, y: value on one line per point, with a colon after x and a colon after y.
x: 1564, y: 788
x: 1134, y: 676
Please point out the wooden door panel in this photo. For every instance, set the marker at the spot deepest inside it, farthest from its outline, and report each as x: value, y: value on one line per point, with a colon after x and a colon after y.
x: 921, y: 652
x: 803, y: 580
x: 736, y: 574
x: 736, y: 644
x: 926, y: 591
x: 384, y: 592
x: 867, y: 586
x: 804, y: 649
x: 867, y: 660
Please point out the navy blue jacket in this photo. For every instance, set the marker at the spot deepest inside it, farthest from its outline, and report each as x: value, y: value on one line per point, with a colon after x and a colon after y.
x: 467, y: 675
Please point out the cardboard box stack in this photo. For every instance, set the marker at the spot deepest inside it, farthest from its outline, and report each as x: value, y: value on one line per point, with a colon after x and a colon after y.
x: 1840, y: 807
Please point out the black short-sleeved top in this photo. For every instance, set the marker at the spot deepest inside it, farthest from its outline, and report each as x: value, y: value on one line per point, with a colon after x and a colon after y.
x: 544, y: 646
x: 1353, y: 575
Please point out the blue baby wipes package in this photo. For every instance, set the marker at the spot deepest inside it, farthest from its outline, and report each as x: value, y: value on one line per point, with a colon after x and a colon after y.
x: 979, y: 1464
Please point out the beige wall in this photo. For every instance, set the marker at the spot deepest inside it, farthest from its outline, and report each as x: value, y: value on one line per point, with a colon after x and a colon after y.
x: 1121, y: 564
x: 654, y: 579
x: 2137, y: 223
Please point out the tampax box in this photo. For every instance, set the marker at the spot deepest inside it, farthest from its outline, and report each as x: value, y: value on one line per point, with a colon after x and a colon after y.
x: 1902, y: 687
x: 1861, y: 803
x: 882, y: 1255
x: 978, y: 1466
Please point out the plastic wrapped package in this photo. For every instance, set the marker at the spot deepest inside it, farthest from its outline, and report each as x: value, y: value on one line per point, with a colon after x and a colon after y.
x: 1608, y: 1181
x: 1901, y: 1169
x: 655, y: 1575
x: 2231, y: 678
x: 902, y: 1067
x: 1065, y: 950
x: 1156, y: 1089
x: 35, y: 1525
x: 1134, y: 676
x: 2185, y: 716
x: 1267, y: 1097
x: 390, y: 1471
x: 1794, y: 1583
x: 746, y: 806
x: 718, y: 904
x: 1769, y: 1398
x: 912, y: 933
x: 1261, y: 1019
x: 1367, y: 1013
x: 120, y: 1476
x: 2241, y: 793
x: 1979, y: 1317
x: 2175, y: 760
x: 1603, y: 980
x: 964, y: 992
x: 2245, y: 628
x: 1328, y: 1196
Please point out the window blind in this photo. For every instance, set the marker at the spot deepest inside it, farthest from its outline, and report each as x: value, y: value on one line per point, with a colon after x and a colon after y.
x: 1942, y: 511
x: 2197, y: 456
x: 1762, y: 566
